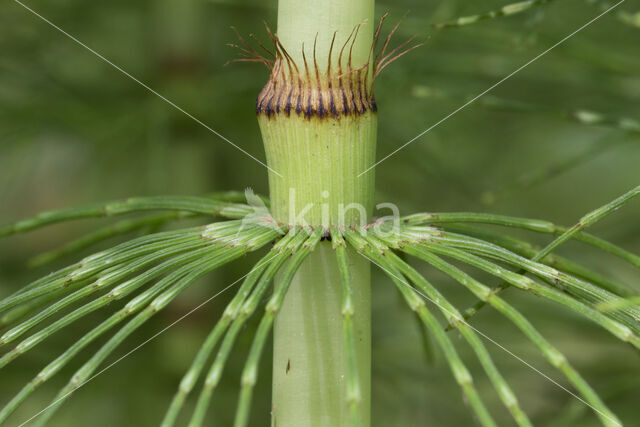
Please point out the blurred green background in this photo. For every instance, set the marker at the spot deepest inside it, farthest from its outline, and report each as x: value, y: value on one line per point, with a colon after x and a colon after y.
x: 74, y: 130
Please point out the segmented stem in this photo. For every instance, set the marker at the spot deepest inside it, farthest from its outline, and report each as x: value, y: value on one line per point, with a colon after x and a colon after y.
x: 352, y: 384
x: 250, y: 371
x: 245, y: 312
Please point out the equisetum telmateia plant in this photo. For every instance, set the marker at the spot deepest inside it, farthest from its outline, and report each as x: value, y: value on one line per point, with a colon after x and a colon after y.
x: 317, y: 114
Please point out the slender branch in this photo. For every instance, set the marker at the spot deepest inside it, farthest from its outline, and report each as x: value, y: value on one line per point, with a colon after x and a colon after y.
x: 117, y: 293
x: 198, y: 205
x: 104, y: 233
x: 619, y: 330
x: 23, y: 310
x: 102, y: 282
x: 245, y: 312
x: 455, y: 318
x: 133, y: 306
x: 230, y: 314
x: 157, y: 297
x: 459, y: 370
x: 85, y: 373
x: 580, y: 289
x: 94, y: 264
x: 508, y: 10
x: 353, y: 393
x: 524, y: 223
x: 553, y: 355
x: 588, y: 220
x: 250, y: 371
x: 227, y: 232
x: 527, y: 250
x: 612, y: 306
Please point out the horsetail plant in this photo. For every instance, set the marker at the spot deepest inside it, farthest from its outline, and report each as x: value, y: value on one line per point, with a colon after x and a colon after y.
x: 318, y: 118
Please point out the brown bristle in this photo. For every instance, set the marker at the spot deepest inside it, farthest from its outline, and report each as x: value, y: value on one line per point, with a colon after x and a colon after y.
x: 314, y: 94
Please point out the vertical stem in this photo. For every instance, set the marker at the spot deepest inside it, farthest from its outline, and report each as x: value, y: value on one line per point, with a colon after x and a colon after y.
x: 300, y: 21
x: 309, y: 363
x: 318, y: 120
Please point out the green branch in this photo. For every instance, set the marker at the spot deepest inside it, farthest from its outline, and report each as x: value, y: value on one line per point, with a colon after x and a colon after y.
x: 549, y: 352
x: 199, y: 205
x: 250, y: 371
x: 459, y: 370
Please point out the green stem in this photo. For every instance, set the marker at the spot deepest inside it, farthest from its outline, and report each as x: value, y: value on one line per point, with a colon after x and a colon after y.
x: 250, y: 371
x: 310, y: 367
x: 245, y: 312
x: 348, y: 336
x: 318, y: 121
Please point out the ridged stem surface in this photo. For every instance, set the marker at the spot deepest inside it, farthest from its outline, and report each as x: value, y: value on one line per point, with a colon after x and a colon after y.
x: 319, y: 131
